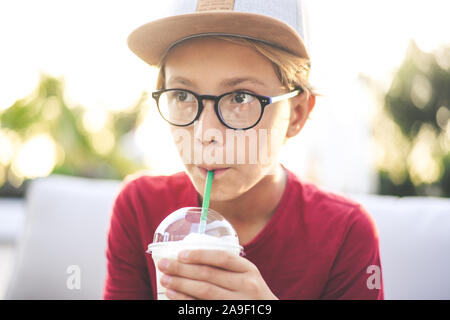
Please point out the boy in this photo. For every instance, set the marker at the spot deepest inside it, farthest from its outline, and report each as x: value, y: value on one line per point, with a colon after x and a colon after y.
x: 239, y: 67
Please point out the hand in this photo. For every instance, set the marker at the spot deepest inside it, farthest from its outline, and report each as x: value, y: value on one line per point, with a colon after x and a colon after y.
x: 212, y: 274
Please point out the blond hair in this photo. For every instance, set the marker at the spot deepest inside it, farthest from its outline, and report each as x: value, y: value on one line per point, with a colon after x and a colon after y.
x: 291, y: 70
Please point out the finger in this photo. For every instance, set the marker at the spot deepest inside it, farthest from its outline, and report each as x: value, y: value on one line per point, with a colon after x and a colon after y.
x: 222, y: 278
x: 195, y: 288
x: 174, y: 295
x: 217, y: 258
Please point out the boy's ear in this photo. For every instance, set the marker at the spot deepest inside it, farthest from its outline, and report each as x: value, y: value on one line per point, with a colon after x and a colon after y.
x: 301, y: 107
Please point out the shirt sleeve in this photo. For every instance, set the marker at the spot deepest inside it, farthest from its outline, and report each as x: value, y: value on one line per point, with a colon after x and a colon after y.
x: 127, y: 275
x: 356, y: 272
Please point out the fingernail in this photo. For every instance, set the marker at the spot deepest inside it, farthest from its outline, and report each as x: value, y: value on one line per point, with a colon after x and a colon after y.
x: 184, y: 255
x: 165, y: 280
x: 163, y: 264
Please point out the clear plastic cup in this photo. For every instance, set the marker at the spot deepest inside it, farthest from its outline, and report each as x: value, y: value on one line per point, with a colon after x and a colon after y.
x: 180, y: 231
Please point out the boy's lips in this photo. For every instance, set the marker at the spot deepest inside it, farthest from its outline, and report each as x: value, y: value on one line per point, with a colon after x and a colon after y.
x: 217, y: 171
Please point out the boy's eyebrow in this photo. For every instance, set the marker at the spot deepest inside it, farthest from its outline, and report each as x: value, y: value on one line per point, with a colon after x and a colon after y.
x: 235, y: 81
x: 231, y: 82
x: 180, y: 80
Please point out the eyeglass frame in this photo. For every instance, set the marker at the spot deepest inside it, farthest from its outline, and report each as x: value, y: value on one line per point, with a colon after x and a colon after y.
x: 263, y: 101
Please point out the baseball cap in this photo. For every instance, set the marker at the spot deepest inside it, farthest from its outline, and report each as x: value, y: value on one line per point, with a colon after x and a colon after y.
x: 276, y: 22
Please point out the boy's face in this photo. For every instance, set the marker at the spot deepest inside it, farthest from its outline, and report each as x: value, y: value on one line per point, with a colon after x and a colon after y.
x: 213, y: 67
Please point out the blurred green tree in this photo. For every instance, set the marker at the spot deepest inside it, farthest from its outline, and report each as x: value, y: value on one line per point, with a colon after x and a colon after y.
x: 79, y: 150
x: 413, y: 130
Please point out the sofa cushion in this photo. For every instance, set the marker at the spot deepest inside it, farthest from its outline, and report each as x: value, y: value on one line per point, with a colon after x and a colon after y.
x: 65, y: 232
x: 12, y: 212
x: 414, y: 245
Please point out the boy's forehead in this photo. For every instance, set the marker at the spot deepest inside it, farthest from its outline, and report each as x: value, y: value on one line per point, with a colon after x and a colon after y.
x: 217, y: 57
x: 218, y: 63
x: 211, y: 51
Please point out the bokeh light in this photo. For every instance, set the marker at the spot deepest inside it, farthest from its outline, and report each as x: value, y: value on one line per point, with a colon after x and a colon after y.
x: 6, y: 147
x: 423, y: 165
x: 36, y: 157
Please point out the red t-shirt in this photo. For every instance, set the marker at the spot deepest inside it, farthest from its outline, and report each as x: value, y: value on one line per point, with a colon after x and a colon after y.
x: 317, y: 245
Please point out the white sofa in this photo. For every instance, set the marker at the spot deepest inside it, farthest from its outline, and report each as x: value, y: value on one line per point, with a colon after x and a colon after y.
x: 67, y: 220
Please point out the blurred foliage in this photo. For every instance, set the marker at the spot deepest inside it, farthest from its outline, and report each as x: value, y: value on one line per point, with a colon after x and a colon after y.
x: 413, y: 129
x: 78, y: 151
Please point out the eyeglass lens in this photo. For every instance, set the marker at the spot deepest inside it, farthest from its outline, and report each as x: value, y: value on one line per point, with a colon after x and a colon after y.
x: 238, y: 109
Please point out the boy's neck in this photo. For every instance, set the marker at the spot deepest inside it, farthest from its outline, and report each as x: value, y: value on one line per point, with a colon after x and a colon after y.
x: 253, y: 209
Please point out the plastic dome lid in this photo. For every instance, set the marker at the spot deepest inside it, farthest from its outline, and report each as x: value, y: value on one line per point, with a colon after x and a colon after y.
x: 184, y: 221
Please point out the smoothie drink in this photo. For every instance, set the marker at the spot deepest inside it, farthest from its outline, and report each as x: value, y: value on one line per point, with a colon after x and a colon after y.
x: 179, y: 231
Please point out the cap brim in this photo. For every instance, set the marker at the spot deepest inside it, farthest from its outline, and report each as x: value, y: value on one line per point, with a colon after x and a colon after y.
x: 152, y: 40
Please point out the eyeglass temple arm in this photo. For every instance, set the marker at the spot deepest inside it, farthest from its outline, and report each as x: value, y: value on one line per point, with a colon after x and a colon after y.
x: 284, y: 96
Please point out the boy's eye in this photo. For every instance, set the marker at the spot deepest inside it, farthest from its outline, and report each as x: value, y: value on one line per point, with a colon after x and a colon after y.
x: 241, y: 97
x: 183, y: 96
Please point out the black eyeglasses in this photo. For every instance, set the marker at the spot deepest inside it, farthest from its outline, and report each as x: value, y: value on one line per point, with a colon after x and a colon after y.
x: 238, y: 110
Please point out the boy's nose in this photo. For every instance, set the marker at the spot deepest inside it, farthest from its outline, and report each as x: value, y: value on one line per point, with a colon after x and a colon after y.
x: 208, y: 125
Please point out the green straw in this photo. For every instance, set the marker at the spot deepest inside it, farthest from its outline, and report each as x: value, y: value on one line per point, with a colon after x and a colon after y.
x: 205, y: 205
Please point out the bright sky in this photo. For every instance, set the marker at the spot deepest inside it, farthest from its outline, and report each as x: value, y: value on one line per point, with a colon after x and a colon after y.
x: 85, y: 42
